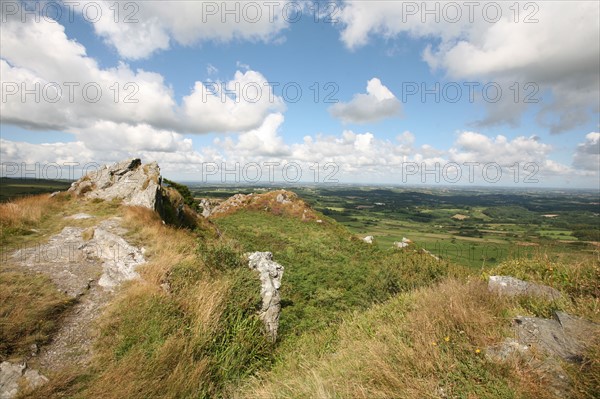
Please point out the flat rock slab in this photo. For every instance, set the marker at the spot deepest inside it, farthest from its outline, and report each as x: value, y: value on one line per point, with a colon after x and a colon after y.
x: 14, y: 375
x: 510, y: 286
x: 564, y: 336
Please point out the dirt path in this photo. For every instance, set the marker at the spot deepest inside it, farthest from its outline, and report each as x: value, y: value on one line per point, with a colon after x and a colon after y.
x: 87, y: 264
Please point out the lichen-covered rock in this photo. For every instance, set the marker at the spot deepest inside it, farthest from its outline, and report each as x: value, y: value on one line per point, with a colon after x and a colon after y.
x: 134, y: 183
x: 510, y: 286
x: 270, y: 279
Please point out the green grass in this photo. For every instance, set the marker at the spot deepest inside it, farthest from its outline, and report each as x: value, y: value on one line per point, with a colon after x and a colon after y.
x: 328, y: 271
x: 15, y: 188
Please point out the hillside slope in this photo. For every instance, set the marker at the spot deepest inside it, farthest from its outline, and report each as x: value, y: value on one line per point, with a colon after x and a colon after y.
x: 356, y: 321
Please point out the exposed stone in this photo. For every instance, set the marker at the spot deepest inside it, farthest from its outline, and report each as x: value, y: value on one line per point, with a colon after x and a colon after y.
x: 271, y: 274
x: 368, y: 239
x: 74, y: 265
x: 80, y: 216
x: 503, y: 351
x: 130, y: 181
x: 510, y: 286
x: 206, y: 206
x: 403, y: 244
x: 119, y: 258
x: 15, y: 375
x: 283, y: 198
x: 565, y: 337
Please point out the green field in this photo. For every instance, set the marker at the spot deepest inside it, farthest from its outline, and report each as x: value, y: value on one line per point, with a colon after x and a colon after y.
x: 472, y: 227
x: 14, y: 188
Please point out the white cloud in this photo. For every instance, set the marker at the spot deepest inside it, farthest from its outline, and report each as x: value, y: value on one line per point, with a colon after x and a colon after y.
x: 587, y: 154
x: 557, y: 53
x: 476, y: 147
x: 145, y: 27
x: 210, y: 108
x: 86, y: 92
x: 379, y: 103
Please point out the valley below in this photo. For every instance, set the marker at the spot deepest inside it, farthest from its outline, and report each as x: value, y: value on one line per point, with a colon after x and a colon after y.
x: 115, y: 289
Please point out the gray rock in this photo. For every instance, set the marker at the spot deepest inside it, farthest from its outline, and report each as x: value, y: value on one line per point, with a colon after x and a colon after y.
x: 13, y: 376
x: 206, y: 206
x: 283, y: 198
x: 501, y: 352
x: 119, y: 258
x: 80, y: 216
x: 271, y: 274
x: 566, y: 336
x: 130, y: 181
x: 510, y: 286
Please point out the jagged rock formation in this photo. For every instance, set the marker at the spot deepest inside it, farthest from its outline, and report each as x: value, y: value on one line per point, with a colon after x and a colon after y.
x: 510, y: 286
x: 134, y: 183
x: 270, y: 279
x: 277, y: 202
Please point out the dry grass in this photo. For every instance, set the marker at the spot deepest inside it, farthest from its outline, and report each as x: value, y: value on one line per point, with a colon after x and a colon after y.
x: 30, y: 310
x: 177, y: 332
x: 294, y: 207
x: 427, y: 344
x: 26, y: 211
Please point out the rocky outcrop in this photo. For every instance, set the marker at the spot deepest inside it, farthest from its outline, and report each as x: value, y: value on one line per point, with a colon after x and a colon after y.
x: 270, y: 280
x: 563, y: 338
x: 510, y: 286
x: 135, y: 184
x: 280, y: 202
x: 87, y: 264
x: 13, y: 376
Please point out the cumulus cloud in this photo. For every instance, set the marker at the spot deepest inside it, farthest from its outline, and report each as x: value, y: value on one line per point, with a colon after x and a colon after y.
x: 53, y: 84
x: 143, y: 28
x: 587, y: 154
x: 377, y: 104
x: 552, y: 51
x: 350, y: 156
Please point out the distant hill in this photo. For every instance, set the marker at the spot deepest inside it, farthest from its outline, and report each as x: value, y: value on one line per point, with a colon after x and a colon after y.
x: 11, y: 188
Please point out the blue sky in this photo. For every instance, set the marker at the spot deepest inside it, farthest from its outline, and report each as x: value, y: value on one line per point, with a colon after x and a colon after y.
x: 366, y: 62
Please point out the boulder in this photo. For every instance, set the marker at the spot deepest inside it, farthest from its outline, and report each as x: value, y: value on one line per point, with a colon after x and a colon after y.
x: 270, y: 279
x: 563, y: 338
x: 510, y: 286
x: 135, y: 184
